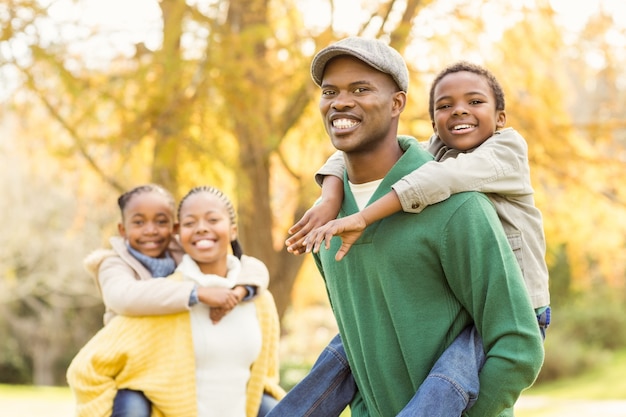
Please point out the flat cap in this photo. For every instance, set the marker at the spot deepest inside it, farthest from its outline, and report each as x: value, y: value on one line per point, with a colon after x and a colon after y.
x: 374, y: 52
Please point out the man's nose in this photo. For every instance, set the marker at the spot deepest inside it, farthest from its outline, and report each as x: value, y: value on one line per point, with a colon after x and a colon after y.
x: 342, y: 100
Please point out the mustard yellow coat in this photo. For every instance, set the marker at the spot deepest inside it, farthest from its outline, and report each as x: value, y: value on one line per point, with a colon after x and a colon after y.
x: 154, y: 354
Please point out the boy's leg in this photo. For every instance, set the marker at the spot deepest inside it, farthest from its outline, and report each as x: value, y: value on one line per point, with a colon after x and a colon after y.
x: 452, y: 384
x: 129, y: 403
x: 544, y: 321
x: 327, y: 389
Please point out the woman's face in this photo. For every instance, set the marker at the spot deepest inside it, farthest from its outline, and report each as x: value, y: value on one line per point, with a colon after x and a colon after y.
x: 206, y: 231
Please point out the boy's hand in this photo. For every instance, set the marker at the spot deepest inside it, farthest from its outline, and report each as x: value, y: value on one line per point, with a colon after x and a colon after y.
x: 314, y: 217
x: 348, y: 228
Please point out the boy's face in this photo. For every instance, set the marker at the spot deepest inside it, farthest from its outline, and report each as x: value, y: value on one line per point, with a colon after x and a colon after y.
x: 358, y: 104
x: 465, y: 112
x: 148, y: 223
x: 206, y: 231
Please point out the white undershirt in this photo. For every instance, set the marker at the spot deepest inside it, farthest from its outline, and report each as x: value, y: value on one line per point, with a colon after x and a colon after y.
x: 224, y: 351
x: 363, y: 192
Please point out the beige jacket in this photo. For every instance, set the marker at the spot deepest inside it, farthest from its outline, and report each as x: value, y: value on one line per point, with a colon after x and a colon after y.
x: 128, y: 288
x: 499, y: 168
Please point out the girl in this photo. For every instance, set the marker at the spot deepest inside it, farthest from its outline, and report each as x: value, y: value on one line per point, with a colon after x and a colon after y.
x: 124, y: 275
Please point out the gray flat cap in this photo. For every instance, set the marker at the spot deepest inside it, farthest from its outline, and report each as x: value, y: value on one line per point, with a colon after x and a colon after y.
x: 375, y: 53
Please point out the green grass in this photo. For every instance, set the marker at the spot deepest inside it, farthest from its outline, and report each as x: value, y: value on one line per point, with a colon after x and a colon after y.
x: 605, y: 382
x: 48, y: 393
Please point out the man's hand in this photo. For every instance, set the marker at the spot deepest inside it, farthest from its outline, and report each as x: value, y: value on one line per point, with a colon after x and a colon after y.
x: 349, y: 229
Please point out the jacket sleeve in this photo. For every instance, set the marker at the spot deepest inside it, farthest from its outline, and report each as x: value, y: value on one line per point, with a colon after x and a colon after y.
x: 254, y: 273
x: 499, y: 165
x: 127, y: 295
x: 335, y: 165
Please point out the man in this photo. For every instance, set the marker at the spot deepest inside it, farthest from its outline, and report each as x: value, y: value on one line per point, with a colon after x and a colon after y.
x: 412, y: 284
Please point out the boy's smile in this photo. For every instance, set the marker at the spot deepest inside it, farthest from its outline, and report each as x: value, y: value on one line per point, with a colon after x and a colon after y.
x: 465, y: 112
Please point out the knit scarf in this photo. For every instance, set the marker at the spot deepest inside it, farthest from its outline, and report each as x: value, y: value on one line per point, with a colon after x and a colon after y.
x: 158, y: 267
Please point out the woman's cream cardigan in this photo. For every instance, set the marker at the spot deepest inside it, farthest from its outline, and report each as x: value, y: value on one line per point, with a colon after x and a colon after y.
x: 154, y: 354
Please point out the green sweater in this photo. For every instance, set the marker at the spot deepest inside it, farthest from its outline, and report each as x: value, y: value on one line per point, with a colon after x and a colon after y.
x: 411, y: 284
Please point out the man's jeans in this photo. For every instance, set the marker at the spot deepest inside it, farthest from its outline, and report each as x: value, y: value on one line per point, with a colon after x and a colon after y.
x: 129, y: 403
x: 451, y: 387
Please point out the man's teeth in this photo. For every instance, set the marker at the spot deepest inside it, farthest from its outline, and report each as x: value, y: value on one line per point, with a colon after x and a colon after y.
x: 344, y: 123
x: 459, y: 127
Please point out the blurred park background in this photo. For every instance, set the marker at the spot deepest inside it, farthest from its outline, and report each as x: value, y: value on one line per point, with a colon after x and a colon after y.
x: 99, y: 96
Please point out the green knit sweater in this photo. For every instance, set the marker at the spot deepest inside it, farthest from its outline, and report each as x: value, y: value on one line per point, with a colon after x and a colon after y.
x: 411, y: 284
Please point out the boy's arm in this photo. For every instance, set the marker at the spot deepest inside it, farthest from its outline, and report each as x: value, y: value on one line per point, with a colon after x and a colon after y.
x: 349, y: 228
x: 334, y: 166
x: 326, y: 209
x: 499, y: 165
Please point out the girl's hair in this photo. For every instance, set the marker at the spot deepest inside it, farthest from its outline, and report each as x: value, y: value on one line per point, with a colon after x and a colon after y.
x: 460, y: 66
x: 235, y: 245
x: 125, y: 198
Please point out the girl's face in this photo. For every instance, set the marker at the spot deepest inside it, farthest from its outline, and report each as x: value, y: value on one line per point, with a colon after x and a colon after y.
x: 465, y: 112
x: 148, y: 223
x: 206, y: 231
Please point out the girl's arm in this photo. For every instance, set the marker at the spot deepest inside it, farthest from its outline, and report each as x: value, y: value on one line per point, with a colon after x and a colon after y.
x: 123, y: 293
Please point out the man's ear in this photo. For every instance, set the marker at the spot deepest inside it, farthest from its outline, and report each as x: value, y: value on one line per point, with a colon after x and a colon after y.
x: 398, y: 102
x: 121, y: 230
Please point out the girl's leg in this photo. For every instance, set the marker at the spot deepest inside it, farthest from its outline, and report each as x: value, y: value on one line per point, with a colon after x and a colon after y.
x: 267, y: 403
x: 129, y: 403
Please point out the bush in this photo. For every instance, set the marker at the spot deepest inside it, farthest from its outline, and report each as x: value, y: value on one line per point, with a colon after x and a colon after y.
x: 582, y: 335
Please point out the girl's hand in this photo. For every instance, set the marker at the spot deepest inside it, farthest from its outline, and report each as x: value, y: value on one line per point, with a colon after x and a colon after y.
x: 218, y: 297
